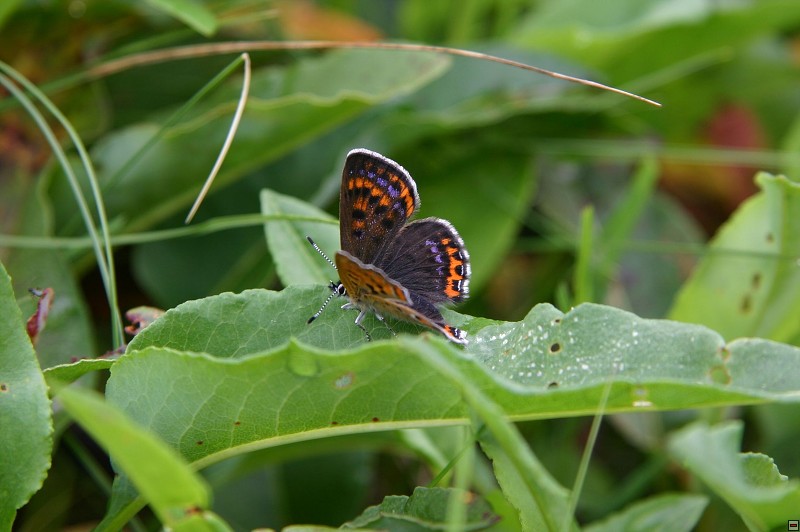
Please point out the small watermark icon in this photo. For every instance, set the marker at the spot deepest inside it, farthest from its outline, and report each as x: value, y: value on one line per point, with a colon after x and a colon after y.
x: 794, y: 525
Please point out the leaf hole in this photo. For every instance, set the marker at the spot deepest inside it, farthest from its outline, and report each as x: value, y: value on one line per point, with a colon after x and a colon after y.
x: 199, y: 442
x: 3, y: 387
x: 375, y: 420
x: 344, y: 381
x: 552, y: 385
x: 746, y: 305
x: 770, y: 238
x: 720, y: 375
x: 756, y: 281
x: 237, y: 423
x: 555, y: 348
x: 334, y: 422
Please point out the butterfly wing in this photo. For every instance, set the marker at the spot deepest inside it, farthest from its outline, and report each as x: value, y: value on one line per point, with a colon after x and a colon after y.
x: 378, y: 196
x: 369, y: 287
x: 429, y: 259
x: 365, y: 284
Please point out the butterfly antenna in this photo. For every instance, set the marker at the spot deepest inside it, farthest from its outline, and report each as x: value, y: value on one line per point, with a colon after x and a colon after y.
x: 335, y: 291
x: 324, y: 256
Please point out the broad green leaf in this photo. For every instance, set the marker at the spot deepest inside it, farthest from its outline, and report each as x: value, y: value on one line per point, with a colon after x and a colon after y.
x: 237, y: 372
x: 653, y: 362
x: 296, y: 261
x: 603, y: 34
x: 667, y: 513
x: 192, y: 13
x: 172, y: 489
x: 748, y: 284
x: 25, y: 414
x: 246, y: 367
x: 425, y: 509
x: 750, y: 484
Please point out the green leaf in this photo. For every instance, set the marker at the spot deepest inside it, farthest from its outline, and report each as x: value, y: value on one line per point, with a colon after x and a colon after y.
x: 531, y: 516
x: 190, y: 12
x: 602, y: 35
x: 296, y: 261
x: 425, y: 509
x: 67, y: 373
x: 750, y: 484
x: 652, y: 362
x: 748, y: 284
x: 236, y: 366
x: 173, y: 490
x: 667, y: 513
x: 25, y: 414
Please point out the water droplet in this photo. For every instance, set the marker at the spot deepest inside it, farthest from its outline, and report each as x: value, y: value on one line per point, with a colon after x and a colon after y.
x: 303, y: 363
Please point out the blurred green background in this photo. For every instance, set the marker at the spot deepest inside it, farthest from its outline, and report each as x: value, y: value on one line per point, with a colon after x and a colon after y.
x: 511, y: 158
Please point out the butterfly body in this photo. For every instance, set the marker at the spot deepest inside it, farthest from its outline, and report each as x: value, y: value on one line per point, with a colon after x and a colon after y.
x: 388, y: 265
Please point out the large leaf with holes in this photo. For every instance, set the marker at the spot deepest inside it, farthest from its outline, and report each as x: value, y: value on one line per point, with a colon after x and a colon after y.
x: 748, y: 284
x: 236, y: 372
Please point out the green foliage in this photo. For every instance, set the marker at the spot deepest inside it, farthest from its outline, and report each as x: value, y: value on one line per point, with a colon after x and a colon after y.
x: 758, y: 245
x: 25, y: 415
x: 230, y: 412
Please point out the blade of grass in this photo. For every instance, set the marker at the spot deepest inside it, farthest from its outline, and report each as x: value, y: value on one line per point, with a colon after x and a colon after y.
x: 104, y: 263
x: 237, y: 118
x: 199, y: 50
x: 222, y: 223
x: 584, y: 283
x: 620, y: 225
x: 586, y: 457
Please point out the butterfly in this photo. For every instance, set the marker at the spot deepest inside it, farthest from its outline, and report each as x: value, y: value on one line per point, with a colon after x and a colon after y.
x: 388, y: 265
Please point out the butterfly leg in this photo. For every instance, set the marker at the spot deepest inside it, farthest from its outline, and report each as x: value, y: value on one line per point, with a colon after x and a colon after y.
x: 359, y: 318
x: 358, y: 322
x: 386, y: 323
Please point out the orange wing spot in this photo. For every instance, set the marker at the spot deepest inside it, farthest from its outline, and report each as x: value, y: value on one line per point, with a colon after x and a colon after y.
x: 359, y: 224
x: 361, y: 203
x: 453, y: 273
x: 355, y: 182
x: 385, y: 201
x: 450, y: 292
x: 453, y: 276
x: 446, y: 242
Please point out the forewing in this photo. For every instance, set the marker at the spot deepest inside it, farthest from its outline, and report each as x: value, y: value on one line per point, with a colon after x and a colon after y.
x: 377, y: 197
